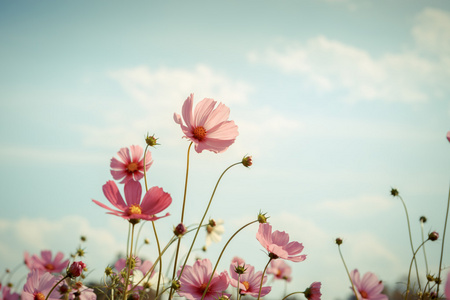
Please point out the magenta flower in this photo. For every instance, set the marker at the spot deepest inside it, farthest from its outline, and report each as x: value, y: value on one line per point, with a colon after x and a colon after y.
x: 5, y: 293
x: 207, y: 126
x: 155, y: 200
x: 280, y: 269
x: 370, y: 287
x: 38, y: 286
x: 76, y: 269
x: 130, y: 164
x: 313, y: 292
x: 46, y: 263
x: 278, y: 245
x: 249, y: 281
x: 195, y: 279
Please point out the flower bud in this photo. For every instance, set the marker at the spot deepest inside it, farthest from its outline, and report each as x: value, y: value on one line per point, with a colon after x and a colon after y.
x: 433, y: 236
x: 151, y: 140
x: 240, y: 269
x: 339, y: 241
x: 176, y: 284
x: 247, y: 161
x: 108, y: 271
x: 180, y: 230
x: 262, y: 218
x: 394, y: 192
x: 423, y: 219
x: 76, y: 269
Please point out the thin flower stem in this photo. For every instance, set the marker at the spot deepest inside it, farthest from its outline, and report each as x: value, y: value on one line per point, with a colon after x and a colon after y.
x: 221, y: 253
x: 204, y: 215
x: 238, y: 284
x: 182, y: 217
x: 292, y: 294
x: 46, y: 297
x: 154, y: 228
x: 137, y: 238
x: 129, y: 264
x: 410, y: 267
x: 348, y: 273
x: 262, y: 278
x: 410, y: 240
x: 443, y: 241
x: 424, y: 252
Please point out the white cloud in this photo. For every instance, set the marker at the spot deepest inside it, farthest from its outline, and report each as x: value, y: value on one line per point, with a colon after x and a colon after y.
x: 332, y: 66
x: 361, y: 206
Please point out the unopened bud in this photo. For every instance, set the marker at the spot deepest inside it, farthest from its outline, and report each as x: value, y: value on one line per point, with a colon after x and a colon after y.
x: 151, y: 140
x: 339, y: 241
x: 433, y: 236
x: 262, y: 218
x: 176, y: 284
x: 247, y: 161
x: 180, y: 230
x: 394, y: 192
x: 423, y: 219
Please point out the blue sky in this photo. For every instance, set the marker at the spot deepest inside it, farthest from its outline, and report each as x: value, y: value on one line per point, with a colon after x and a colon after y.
x: 337, y: 101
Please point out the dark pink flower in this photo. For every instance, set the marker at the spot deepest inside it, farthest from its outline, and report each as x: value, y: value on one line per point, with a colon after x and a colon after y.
x: 76, y: 269
x: 249, y: 281
x: 369, y: 287
x: 195, y: 279
x: 313, y: 292
x: 38, y: 286
x: 5, y: 293
x: 155, y: 200
x: 130, y: 164
x: 47, y: 264
x: 280, y: 269
x: 278, y: 245
x: 207, y: 127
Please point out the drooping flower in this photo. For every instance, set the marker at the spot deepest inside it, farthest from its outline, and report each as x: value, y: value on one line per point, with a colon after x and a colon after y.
x: 5, y: 293
x: 214, y: 231
x: 278, y: 245
x: 280, y: 269
x: 369, y: 287
x: 155, y: 200
x: 130, y: 164
x: 47, y: 264
x: 195, y: 279
x: 208, y: 126
x: 313, y: 292
x: 249, y: 281
x: 38, y: 286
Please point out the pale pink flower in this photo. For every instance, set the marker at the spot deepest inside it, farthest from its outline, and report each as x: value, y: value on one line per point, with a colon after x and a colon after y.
x: 47, y: 264
x: 81, y: 292
x: 207, y: 127
x: 313, y: 292
x: 278, y: 245
x: 195, y: 279
x: 130, y: 164
x: 38, y: 286
x: 369, y: 287
x: 447, y: 286
x: 155, y: 200
x: 280, y: 269
x: 5, y: 293
x: 249, y: 281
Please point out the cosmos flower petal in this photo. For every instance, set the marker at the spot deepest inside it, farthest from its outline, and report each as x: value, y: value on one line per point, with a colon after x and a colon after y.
x: 202, y: 112
x: 112, y: 193
x: 280, y: 238
x: 187, y: 111
x: 155, y: 200
x: 133, y: 192
x: 217, y: 116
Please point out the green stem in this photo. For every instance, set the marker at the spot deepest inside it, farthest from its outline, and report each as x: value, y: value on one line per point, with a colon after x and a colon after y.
x: 348, y: 273
x: 410, y: 240
x: 424, y: 252
x: 410, y: 267
x: 220, y: 256
x: 204, y: 215
x: 129, y: 264
x: 262, y: 278
x: 443, y: 241
x: 182, y: 218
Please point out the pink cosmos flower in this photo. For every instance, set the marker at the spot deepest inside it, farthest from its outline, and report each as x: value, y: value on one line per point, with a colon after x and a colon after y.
x: 313, y: 292
x: 155, y: 200
x: 81, y: 292
x: 38, y: 286
x: 195, y: 279
x: 249, y: 281
x: 47, y: 264
x: 370, y: 287
x: 130, y: 164
x: 5, y: 293
x: 280, y: 269
x: 278, y: 245
x: 207, y: 126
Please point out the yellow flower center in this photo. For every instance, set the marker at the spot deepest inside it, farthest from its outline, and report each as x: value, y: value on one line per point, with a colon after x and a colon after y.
x: 246, y: 284
x: 132, y: 167
x: 199, y: 133
x: 134, y: 210
x: 50, y: 267
x: 39, y: 296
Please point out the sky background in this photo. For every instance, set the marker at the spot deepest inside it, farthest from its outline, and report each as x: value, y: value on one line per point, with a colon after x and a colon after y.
x: 337, y: 101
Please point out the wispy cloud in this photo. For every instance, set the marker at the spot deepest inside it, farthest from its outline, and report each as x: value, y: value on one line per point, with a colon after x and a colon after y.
x: 409, y: 76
